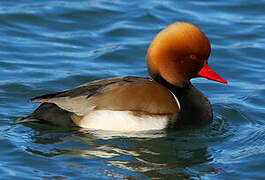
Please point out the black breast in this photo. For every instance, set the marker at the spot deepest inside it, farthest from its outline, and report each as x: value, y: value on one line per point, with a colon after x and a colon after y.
x: 195, y: 108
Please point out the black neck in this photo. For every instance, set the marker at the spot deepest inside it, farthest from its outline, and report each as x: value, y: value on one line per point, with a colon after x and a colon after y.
x: 172, y: 88
x: 195, y: 108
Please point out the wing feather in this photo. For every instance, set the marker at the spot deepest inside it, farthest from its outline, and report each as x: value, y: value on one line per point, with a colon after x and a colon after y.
x: 127, y: 93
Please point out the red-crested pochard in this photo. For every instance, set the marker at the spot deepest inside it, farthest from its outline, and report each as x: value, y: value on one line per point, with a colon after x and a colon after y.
x: 167, y: 100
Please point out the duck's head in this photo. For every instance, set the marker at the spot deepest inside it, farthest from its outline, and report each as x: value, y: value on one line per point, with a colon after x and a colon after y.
x: 178, y: 53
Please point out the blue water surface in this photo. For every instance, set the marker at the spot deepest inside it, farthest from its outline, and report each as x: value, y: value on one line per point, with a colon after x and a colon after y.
x: 48, y: 46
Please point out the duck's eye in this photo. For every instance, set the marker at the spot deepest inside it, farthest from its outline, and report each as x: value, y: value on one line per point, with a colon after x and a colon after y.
x: 193, y: 57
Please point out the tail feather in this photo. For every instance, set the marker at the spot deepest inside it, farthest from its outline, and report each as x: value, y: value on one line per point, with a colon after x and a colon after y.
x: 26, y: 119
x: 51, y: 114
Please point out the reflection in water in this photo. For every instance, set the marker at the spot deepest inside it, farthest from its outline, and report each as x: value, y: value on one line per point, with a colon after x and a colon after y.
x: 151, y: 153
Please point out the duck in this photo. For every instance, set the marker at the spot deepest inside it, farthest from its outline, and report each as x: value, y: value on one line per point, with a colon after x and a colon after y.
x: 166, y: 100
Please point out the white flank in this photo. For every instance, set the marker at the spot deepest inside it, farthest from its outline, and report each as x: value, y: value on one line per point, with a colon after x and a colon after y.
x: 123, y: 121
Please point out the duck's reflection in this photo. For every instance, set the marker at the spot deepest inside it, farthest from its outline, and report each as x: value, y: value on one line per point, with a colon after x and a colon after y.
x: 153, y: 153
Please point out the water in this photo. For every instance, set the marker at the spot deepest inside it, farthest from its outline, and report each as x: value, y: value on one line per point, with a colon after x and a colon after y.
x: 47, y: 46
